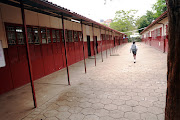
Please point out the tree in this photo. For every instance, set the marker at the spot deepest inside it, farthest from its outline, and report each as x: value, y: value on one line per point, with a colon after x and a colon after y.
x: 159, y: 7
x: 172, y: 111
x: 145, y: 20
x: 124, y: 21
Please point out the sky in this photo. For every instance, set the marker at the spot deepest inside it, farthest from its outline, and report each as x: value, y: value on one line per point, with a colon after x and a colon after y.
x: 97, y: 10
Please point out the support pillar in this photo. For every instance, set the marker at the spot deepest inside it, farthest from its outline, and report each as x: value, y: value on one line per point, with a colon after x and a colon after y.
x: 94, y: 44
x: 109, y: 43
x: 64, y: 37
x: 101, y: 45
x: 83, y: 47
x: 28, y: 52
x: 106, y: 43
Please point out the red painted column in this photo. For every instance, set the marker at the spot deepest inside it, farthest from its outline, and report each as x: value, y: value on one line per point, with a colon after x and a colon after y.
x: 101, y: 45
x: 64, y: 37
x: 94, y: 44
x: 28, y: 53
x: 83, y: 47
x: 109, y: 43
x: 106, y: 43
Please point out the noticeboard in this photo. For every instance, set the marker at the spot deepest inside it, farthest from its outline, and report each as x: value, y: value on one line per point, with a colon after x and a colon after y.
x: 2, y: 60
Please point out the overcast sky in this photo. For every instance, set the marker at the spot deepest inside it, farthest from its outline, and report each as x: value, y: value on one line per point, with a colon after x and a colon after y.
x: 96, y: 10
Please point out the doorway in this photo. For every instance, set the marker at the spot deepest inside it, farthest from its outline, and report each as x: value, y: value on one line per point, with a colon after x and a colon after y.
x: 95, y: 37
x: 89, y: 45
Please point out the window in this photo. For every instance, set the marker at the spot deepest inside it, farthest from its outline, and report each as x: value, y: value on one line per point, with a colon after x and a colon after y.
x: 15, y: 35
x: 30, y: 35
x: 49, y: 35
x: 107, y: 37
x: 11, y: 35
x: 36, y: 35
x: 166, y: 29
x: 80, y: 35
x: 58, y: 35
x: 65, y: 35
x: 53, y: 36
x: 75, y: 36
x: 69, y: 37
x: 158, y: 32
x: 20, y: 36
x: 43, y: 36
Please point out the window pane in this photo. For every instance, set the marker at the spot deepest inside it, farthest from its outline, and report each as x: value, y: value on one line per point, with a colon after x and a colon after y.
x: 54, y: 36
x: 11, y: 38
x: 10, y: 28
x: 57, y: 35
x: 70, y: 36
x: 43, y: 35
x: 20, y: 36
x: 48, y: 36
x: 30, y: 35
x: 75, y: 36
x: 36, y: 35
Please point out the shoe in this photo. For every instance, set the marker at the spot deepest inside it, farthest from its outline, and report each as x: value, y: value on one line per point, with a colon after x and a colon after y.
x: 134, y: 61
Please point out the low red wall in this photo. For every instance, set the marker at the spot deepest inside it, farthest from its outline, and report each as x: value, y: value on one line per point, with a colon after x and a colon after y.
x: 45, y: 59
x: 160, y: 43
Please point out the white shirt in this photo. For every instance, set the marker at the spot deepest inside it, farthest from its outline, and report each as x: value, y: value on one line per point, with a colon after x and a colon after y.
x: 134, y: 47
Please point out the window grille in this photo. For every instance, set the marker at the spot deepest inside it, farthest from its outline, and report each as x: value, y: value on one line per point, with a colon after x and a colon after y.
x: 57, y: 35
x: 36, y: 35
x: 30, y: 35
x: 43, y: 36
x: 11, y: 35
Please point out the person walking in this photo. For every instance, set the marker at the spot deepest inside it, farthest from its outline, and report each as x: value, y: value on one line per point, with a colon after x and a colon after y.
x: 134, y: 49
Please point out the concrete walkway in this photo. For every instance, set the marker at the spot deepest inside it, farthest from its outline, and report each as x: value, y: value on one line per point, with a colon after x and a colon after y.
x: 116, y: 89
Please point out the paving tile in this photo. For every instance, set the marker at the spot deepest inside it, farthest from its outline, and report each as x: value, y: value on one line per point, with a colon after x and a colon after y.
x: 88, y: 111
x: 110, y: 107
x: 51, y: 113
x: 106, y: 118
x: 116, y: 114
x: 75, y: 109
x: 139, y: 109
x: 124, y: 108
x: 132, y: 115
x: 101, y: 112
x: 132, y: 103
x: 155, y: 110
x: 63, y: 115
x: 78, y: 116
x: 63, y: 108
x: 148, y: 116
x: 91, y: 117
x: 97, y: 106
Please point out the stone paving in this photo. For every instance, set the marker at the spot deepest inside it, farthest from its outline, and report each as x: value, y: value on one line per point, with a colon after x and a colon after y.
x: 116, y: 89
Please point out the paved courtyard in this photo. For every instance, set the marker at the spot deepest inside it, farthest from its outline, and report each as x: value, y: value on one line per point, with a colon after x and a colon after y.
x: 116, y: 89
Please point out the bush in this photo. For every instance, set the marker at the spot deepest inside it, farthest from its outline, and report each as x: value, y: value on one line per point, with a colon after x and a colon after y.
x: 136, y: 39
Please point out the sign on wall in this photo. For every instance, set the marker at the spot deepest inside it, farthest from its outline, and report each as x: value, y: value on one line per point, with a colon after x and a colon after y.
x: 2, y: 60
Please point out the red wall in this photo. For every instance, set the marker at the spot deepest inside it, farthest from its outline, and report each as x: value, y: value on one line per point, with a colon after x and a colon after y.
x: 159, y: 43
x: 45, y: 58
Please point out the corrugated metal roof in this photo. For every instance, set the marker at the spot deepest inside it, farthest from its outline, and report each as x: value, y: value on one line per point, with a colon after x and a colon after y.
x: 49, y: 8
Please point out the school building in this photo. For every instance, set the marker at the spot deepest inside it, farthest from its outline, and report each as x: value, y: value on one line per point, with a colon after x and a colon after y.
x: 39, y: 38
x: 156, y: 34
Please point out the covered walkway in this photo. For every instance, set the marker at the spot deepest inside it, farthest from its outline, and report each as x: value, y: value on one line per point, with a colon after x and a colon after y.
x: 116, y: 89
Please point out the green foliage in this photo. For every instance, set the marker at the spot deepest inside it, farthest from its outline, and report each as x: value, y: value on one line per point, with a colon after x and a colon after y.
x: 124, y: 20
x: 104, y: 24
x: 159, y: 7
x: 145, y: 20
x: 136, y: 39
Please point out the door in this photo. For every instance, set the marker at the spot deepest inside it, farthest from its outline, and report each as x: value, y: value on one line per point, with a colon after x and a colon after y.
x: 96, y: 44
x: 89, y: 46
